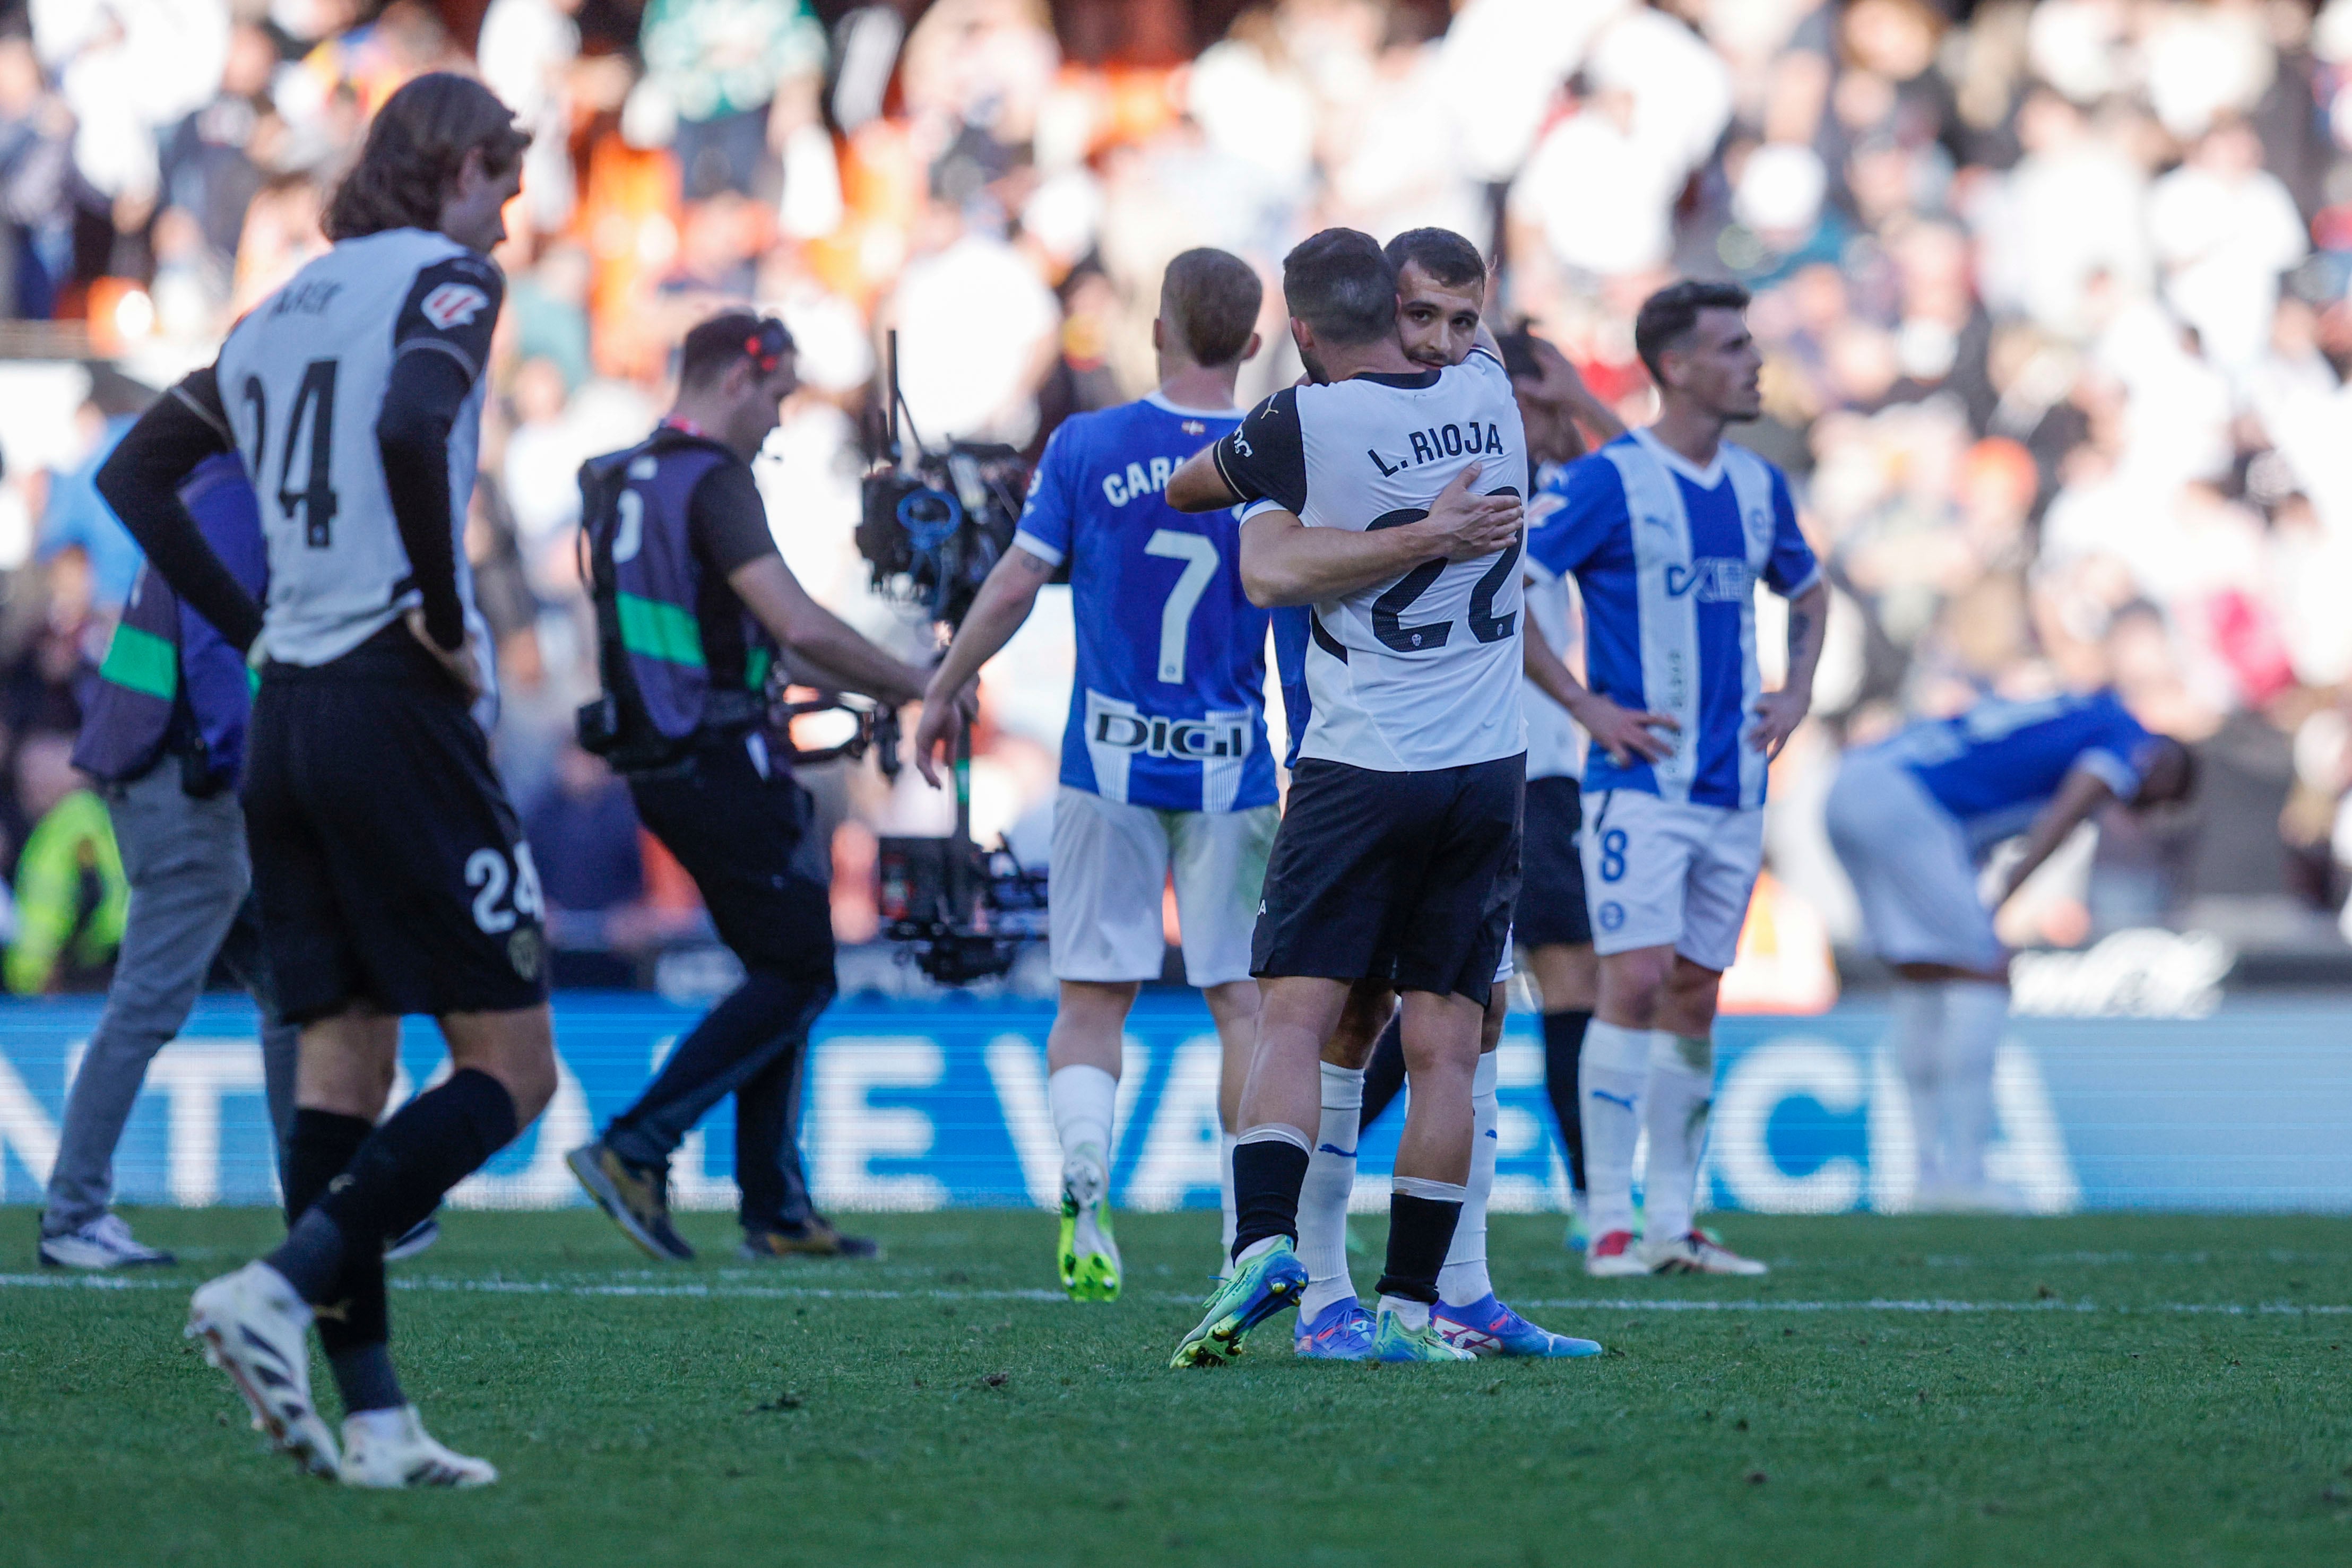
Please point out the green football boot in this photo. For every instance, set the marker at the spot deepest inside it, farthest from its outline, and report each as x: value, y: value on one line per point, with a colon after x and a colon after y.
x: 1255, y: 1290
x: 1089, y: 1253
x: 1391, y: 1341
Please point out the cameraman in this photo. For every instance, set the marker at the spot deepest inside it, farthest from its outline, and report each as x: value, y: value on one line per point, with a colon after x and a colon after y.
x: 693, y: 603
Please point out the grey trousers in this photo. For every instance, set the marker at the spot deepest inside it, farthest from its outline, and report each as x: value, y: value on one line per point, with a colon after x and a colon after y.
x: 185, y: 862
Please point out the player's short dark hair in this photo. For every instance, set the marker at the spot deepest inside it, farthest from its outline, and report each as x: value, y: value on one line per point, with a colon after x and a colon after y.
x: 1340, y: 284
x: 1210, y: 299
x: 1445, y: 255
x: 414, y: 147
x: 728, y: 337
x: 1670, y: 313
x: 1519, y: 346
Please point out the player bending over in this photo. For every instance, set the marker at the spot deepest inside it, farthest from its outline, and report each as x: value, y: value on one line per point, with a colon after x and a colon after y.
x: 1164, y: 760
x: 1911, y: 819
x: 1441, y: 292
x: 389, y: 870
x: 1397, y: 854
x: 1668, y: 532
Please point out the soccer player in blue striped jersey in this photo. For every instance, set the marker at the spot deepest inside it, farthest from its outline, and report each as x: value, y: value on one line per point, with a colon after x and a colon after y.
x: 1668, y: 532
x: 1911, y: 819
x: 1164, y: 760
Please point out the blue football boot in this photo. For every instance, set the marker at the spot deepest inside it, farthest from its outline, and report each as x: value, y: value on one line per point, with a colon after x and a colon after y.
x: 1486, y: 1327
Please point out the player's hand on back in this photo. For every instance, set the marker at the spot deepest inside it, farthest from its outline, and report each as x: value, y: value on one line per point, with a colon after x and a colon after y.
x: 1625, y: 733
x: 1777, y: 715
x: 1461, y: 526
x: 463, y: 663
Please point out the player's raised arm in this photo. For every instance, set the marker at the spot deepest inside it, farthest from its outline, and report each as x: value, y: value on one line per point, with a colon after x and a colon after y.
x: 1198, y: 487
x: 1286, y: 562
x: 141, y: 479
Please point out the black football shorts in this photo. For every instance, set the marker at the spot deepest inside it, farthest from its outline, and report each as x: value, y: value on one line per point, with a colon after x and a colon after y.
x: 388, y: 865
x: 1551, y: 868
x: 1404, y: 878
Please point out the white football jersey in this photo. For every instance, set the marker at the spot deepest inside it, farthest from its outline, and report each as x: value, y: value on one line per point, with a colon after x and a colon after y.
x: 1555, y: 741
x: 301, y: 380
x: 1424, y: 671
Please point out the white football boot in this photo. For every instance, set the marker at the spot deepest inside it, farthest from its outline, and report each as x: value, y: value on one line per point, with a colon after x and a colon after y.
x: 1615, y: 1255
x: 105, y: 1242
x: 391, y: 1449
x: 255, y: 1328
x: 1694, y: 1253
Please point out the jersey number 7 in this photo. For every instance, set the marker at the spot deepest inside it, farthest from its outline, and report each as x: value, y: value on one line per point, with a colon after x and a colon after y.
x: 1199, y: 555
x: 314, y: 406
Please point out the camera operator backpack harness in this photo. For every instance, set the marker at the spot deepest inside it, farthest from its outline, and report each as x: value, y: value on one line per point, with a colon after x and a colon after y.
x: 662, y: 686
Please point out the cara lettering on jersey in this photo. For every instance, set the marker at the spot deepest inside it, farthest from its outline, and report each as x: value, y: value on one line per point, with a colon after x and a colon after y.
x: 1421, y: 672
x: 1168, y: 710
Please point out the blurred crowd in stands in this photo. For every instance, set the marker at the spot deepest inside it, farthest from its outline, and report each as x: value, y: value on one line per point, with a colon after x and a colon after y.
x: 2055, y: 297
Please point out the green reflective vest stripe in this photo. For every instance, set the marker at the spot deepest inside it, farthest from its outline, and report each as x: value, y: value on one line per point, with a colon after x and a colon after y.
x: 142, y: 662
x: 652, y: 630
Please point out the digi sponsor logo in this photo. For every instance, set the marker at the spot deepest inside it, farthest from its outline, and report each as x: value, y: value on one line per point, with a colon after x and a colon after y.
x: 454, y: 305
x: 1712, y: 579
x: 1189, y: 738
x: 1611, y: 915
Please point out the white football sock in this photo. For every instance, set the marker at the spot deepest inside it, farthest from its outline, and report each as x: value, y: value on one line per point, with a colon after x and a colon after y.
x: 1413, y: 1314
x: 1919, y: 1009
x: 1974, y: 1014
x: 1464, y: 1279
x: 1323, y: 1197
x: 1225, y: 1142
x: 1083, y: 1101
x: 1616, y: 1065
x: 1682, y: 1086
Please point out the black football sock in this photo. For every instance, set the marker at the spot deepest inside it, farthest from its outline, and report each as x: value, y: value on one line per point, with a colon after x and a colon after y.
x: 1267, y: 1174
x: 349, y: 1303
x: 1563, y: 1053
x: 435, y: 1142
x: 1421, y: 1231
x: 1384, y: 1073
x: 364, y: 1375
x: 319, y: 1147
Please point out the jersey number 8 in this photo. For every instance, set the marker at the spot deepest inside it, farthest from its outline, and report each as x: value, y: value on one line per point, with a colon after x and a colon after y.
x: 314, y: 408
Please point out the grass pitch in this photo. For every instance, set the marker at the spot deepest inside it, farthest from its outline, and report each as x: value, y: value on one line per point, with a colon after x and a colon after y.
x: 2100, y: 1390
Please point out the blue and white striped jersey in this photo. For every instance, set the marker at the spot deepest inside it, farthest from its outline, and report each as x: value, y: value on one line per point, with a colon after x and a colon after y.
x: 1667, y: 557
x: 1996, y: 765
x: 1169, y: 706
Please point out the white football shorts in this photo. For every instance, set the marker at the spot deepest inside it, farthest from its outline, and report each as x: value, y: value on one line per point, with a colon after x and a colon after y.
x: 1665, y: 874
x: 1112, y: 861
x: 1912, y: 873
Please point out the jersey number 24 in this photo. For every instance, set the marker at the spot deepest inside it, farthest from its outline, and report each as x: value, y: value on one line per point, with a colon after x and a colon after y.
x: 313, y: 416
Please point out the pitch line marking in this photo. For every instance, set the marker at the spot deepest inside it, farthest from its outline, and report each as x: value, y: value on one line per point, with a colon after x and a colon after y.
x: 692, y: 1291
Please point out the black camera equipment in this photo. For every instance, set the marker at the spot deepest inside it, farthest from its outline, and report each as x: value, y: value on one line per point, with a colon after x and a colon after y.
x: 934, y: 524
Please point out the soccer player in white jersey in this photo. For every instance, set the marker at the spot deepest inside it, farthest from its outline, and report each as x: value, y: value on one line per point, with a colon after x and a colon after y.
x: 1164, y: 762
x: 1911, y: 819
x: 389, y: 870
x: 1441, y: 297
x: 1668, y: 532
x: 1397, y: 859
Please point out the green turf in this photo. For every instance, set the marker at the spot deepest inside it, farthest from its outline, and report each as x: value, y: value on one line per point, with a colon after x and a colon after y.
x: 958, y: 1420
